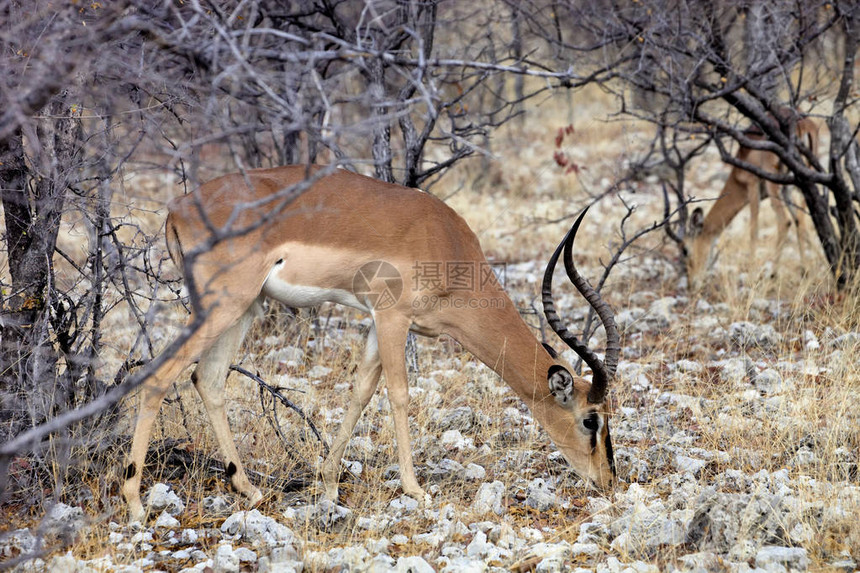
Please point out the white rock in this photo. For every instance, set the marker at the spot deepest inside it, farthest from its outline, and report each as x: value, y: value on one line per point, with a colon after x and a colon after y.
x: 166, y: 521
x: 848, y: 341
x: 63, y: 564
x: 161, y: 497
x: 746, y: 334
x: 474, y: 472
x: 255, y: 527
x: 19, y: 542
x: 286, y: 354
x: 267, y: 565
x: 325, y: 514
x: 737, y: 371
x: 362, y: 445
x: 689, y: 366
x: 790, y: 557
x: 404, y: 503
x: 592, y: 532
x: 64, y: 520
x: 587, y: 549
x: 490, y: 498
x: 810, y: 341
x: 479, y: 547
x: 462, y: 418
x: 215, y: 505
x: 413, y: 564
x: 646, y: 527
x: 447, y: 468
x: 688, y: 464
x: 539, y: 495
x: 225, y: 559
x: 464, y: 565
x: 245, y: 555
x: 770, y: 382
x: 454, y: 440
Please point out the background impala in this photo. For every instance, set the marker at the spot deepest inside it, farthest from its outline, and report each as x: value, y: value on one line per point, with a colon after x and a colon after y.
x: 745, y: 188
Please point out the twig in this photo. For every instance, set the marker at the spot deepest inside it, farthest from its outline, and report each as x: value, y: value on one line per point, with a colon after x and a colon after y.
x: 276, y: 392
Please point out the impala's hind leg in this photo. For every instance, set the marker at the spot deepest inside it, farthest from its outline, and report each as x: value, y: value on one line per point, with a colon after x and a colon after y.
x: 223, y: 309
x: 365, y: 385
x: 209, y: 379
x: 152, y: 394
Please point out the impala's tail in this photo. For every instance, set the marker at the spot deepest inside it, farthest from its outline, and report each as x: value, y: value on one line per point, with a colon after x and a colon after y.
x: 174, y: 245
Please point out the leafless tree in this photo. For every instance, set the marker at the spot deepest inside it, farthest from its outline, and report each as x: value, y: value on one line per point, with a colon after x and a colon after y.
x: 715, y: 69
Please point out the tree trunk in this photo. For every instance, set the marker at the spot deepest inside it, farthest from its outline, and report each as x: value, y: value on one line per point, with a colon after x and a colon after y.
x: 33, y: 201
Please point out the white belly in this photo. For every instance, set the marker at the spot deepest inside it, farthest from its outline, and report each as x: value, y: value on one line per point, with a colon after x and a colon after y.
x: 300, y: 296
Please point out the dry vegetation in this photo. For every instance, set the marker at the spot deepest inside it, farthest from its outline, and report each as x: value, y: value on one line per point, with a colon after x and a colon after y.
x: 674, y: 390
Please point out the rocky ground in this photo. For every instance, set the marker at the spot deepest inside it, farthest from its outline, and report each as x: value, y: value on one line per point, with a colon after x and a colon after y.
x: 736, y: 444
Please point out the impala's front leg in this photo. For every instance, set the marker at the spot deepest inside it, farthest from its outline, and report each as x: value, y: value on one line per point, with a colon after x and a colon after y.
x: 391, y: 333
x: 366, y: 380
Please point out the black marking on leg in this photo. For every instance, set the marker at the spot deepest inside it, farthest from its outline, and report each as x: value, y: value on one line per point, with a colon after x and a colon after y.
x: 279, y: 261
x: 231, y: 469
x: 130, y: 471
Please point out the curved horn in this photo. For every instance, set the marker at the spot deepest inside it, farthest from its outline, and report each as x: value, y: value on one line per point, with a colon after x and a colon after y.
x: 602, y: 372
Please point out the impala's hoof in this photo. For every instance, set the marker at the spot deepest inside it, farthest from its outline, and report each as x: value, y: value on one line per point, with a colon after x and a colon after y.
x: 424, y: 499
x: 254, y: 498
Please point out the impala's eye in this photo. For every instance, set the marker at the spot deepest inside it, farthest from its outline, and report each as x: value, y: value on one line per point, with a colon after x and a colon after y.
x: 592, y: 422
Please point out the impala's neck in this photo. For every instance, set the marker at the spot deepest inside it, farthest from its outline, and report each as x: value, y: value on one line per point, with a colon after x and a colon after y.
x: 725, y: 208
x: 500, y: 338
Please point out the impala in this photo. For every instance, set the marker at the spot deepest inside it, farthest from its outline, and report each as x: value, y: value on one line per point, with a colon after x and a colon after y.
x: 348, y: 239
x: 742, y: 188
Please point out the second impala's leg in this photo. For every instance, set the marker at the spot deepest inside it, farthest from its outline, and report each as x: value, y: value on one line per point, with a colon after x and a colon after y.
x: 803, y: 240
x: 209, y: 379
x: 366, y: 380
x: 391, y: 334
x: 783, y: 222
x: 754, y: 200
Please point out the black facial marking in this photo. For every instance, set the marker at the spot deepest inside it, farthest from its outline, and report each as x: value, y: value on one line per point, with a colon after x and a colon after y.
x: 609, y: 456
x: 130, y: 471
x: 231, y: 469
x: 194, y: 377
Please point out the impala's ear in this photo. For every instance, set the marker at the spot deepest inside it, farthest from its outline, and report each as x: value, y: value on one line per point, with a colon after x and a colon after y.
x: 550, y: 349
x: 560, y: 384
